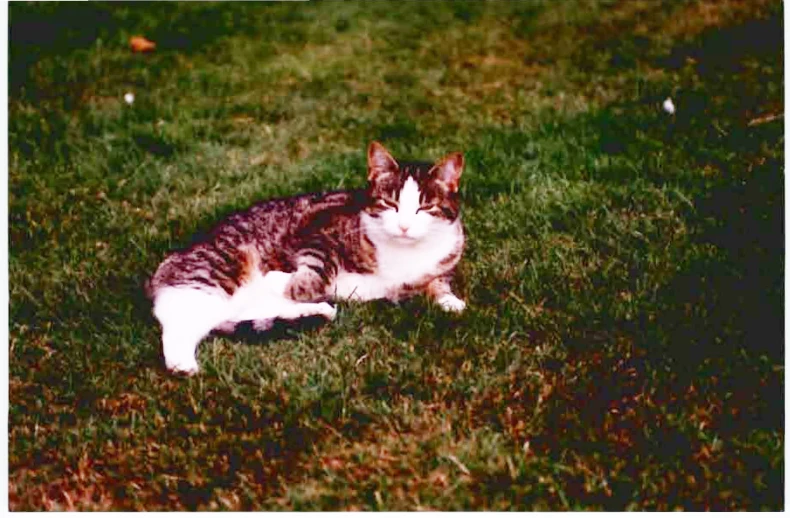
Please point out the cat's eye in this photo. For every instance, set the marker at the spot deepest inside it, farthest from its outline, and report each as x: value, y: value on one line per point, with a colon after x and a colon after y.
x: 430, y: 208
x: 384, y: 203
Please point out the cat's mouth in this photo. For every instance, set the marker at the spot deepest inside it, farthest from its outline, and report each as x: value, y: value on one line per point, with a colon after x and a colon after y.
x: 404, y: 238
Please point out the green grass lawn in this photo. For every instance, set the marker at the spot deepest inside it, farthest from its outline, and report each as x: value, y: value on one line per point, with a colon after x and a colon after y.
x: 623, y: 344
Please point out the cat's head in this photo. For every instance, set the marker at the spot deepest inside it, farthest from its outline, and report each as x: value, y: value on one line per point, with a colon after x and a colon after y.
x: 410, y: 202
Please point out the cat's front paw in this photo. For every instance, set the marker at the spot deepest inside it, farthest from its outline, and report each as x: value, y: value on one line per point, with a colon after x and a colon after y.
x: 305, y: 285
x: 451, y: 303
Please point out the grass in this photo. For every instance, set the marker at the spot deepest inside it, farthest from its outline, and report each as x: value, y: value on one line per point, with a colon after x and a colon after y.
x: 623, y: 344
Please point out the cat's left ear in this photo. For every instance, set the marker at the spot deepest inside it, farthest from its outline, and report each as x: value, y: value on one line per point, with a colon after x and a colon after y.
x: 380, y: 161
x: 448, y: 171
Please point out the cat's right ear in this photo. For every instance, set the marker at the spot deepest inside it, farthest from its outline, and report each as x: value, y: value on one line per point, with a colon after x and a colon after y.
x: 380, y: 161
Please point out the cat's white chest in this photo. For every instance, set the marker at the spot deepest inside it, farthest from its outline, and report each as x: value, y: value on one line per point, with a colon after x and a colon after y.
x: 397, y: 265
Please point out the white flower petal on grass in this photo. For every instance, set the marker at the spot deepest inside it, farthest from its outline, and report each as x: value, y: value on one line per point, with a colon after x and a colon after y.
x: 669, y: 106
x: 128, y: 97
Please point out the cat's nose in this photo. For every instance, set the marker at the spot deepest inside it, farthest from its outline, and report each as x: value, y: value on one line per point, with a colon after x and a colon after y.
x: 403, y: 227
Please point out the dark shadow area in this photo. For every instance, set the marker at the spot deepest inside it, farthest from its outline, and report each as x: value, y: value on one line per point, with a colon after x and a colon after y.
x: 37, y: 30
x: 43, y: 30
x: 710, y: 347
x: 717, y: 305
x: 722, y: 50
x: 280, y: 330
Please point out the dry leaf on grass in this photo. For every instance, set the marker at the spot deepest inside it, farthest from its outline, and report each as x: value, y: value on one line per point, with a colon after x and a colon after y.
x: 140, y: 44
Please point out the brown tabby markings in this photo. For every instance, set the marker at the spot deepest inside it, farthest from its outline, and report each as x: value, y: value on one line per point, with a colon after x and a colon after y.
x: 275, y: 235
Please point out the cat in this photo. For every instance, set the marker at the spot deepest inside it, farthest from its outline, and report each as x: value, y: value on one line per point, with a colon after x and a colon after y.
x: 288, y: 258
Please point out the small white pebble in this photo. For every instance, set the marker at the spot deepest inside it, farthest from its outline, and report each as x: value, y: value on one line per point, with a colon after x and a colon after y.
x: 669, y: 106
x: 128, y: 97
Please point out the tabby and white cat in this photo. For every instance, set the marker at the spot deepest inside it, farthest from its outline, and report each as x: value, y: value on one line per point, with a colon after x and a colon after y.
x: 287, y: 258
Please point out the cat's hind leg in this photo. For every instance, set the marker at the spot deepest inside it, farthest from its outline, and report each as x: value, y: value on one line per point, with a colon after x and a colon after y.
x: 263, y: 315
x: 277, y: 284
x: 295, y: 310
x: 264, y: 299
x: 187, y: 315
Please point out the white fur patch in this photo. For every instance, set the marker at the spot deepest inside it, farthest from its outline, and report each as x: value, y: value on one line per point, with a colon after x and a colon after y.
x: 408, y: 203
x: 188, y: 314
x: 400, y: 260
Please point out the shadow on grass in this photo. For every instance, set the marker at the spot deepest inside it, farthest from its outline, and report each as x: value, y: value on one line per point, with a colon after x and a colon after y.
x: 39, y: 31
x: 280, y: 330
